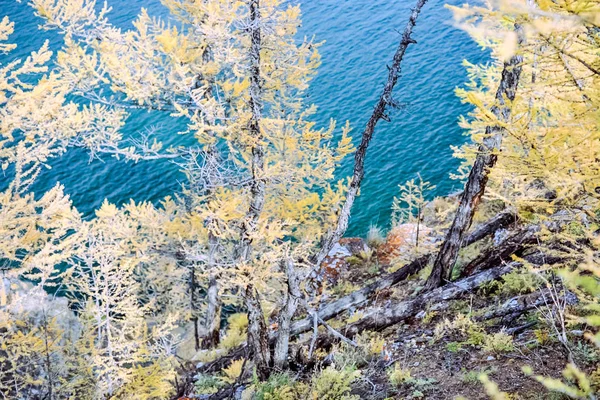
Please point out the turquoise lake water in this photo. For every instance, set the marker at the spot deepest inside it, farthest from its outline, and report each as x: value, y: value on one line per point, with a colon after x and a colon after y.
x: 360, y: 39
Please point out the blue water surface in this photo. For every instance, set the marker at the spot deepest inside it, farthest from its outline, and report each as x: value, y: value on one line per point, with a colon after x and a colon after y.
x: 360, y: 38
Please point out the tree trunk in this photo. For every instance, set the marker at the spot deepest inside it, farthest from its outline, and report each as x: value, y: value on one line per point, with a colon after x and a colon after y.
x: 514, y: 244
x: 213, y: 315
x: 402, y: 310
x: 516, y: 305
x: 193, y: 307
x: 379, y: 112
x: 258, y: 337
x: 212, y: 322
x: 486, y: 159
x: 358, y: 297
x: 285, y: 318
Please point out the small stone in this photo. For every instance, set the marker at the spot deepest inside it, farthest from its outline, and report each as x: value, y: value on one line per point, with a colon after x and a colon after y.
x: 416, y: 364
x: 577, y: 333
x: 421, y: 315
x: 490, y: 358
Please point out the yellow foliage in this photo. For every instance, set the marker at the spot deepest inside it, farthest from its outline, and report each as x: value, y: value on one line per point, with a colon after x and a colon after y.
x: 332, y: 384
x: 398, y: 376
x: 233, y: 371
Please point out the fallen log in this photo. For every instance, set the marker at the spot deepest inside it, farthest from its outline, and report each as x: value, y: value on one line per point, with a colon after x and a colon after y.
x: 380, y: 317
x: 223, y: 361
x: 358, y: 297
x: 496, y: 255
x: 519, y: 304
x: 501, y: 220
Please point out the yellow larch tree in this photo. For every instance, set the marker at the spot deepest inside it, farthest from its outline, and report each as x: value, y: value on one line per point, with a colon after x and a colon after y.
x: 547, y: 164
x: 38, y: 232
x: 261, y: 187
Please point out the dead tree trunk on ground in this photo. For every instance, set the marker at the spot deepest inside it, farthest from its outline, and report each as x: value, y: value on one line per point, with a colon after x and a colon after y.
x: 486, y: 159
x: 358, y: 297
x: 380, y: 317
x: 496, y: 255
x: 379, y: 113
x: 400, y: 310
x: 516, y: 305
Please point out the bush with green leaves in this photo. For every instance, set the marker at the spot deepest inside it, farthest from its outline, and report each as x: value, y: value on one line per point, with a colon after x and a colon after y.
x: 280, y: 387
x: 334, y: 384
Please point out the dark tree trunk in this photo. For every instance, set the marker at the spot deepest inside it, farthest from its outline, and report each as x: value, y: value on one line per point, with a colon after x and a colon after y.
x: 516, y: 305
x: 379, y: 113
x: 212, y: 322
x: 258, y: 336
x: 398, y: 311
x: 516, y: 243
x: 193, y: 307
x: 475, y: 186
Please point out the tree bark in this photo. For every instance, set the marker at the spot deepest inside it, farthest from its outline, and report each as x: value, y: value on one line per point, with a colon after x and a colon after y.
x: 514, y: 244
x: 258, y: 337
x: 212, y: 322
x: 213, y: 315
x: 280, y: 356
x: 486, y: 159
x: 358, y: 297
x: 193, y: 307
x: 519, y: 304
x: 379, y: 113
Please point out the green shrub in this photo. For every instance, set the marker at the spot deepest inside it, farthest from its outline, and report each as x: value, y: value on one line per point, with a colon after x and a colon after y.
x: 333, y: 384
x: 372, y: 343
x: 472, y: 377
x: 498, y: 343
x: 207, y: 384
x: 238, y: 321
x: 475, y: 335
x: 542, y: 336
x: 347, y: 356
x: 233, y: 338
x: 587, y: 353
x: 279, y: 387
x: 454, y: 347
x: 343, y: 288
x: 399, y: 376
x: 520, y: 282
x: 233, y: 371
x: 236, y: 331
